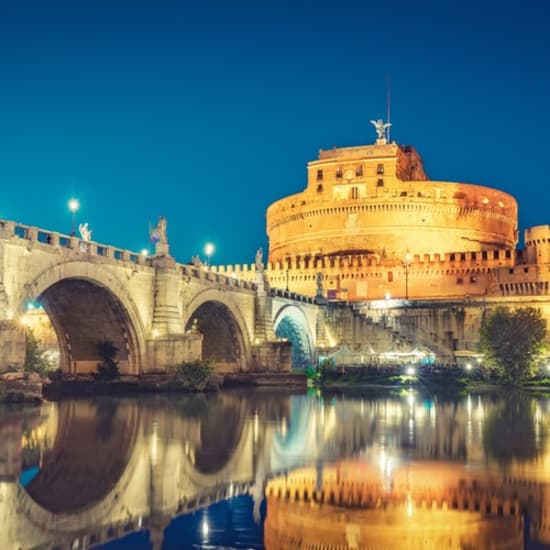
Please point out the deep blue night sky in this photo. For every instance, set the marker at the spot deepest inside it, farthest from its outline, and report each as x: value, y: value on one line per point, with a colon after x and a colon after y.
x: 206, y: 112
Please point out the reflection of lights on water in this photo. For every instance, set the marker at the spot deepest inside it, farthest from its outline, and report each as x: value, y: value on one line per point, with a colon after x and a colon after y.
x: 154, y: 443
x: 409, y: 506
x: 205, y: 529
x: 386, y: 463
x: 283, y: 427
x: 256, y: 426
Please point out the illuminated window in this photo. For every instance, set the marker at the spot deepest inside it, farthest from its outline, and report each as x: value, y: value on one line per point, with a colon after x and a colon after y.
x: 380, y: 169
x: 319, y: 175
x: 359, y: 170
x: 339, y: 173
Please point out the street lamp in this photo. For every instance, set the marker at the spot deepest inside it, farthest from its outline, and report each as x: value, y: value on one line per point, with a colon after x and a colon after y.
x: 74, y: 205
x: 208, y: 250
x: 407, y: 262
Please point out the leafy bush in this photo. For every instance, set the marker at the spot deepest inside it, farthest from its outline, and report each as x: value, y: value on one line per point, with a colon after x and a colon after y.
x: 108, y: 369
x: 34, y: 355
x: 194, y: 375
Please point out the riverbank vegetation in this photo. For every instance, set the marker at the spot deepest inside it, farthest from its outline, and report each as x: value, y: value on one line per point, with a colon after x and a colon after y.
x: 511, y: 353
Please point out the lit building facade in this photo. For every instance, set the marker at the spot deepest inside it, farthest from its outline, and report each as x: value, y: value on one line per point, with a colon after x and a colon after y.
x: 373, y: 224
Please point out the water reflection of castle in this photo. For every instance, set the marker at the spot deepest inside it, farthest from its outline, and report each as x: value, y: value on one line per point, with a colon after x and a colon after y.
x: 96, y: 470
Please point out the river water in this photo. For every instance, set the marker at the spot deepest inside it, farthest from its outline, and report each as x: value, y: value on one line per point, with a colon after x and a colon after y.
x: 268, y: 469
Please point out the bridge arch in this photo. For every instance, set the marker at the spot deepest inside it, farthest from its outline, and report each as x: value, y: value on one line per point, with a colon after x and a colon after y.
x: 87, y: 303
x: 291, y: 322
x: 55, y: 497
x: 226, y: 337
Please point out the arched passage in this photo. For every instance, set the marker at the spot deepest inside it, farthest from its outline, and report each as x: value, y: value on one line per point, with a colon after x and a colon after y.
x: 223, y: 331
x: 93, y: 446
x: 291, y: 323
x: 86, y: 309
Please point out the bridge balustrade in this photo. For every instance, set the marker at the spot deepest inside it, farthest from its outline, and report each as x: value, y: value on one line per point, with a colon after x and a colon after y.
x: 57, y: 240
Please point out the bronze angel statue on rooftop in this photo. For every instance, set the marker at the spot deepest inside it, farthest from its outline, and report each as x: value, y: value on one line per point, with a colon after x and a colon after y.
x: 380, y: 126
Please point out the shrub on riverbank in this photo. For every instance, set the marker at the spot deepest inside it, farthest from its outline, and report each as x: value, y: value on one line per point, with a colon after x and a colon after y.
x: 194, y: 375
x: 107, y: 370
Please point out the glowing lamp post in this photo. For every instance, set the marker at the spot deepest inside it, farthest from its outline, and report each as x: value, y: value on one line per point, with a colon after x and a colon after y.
x: 208, y: 250
x: 74, y: 205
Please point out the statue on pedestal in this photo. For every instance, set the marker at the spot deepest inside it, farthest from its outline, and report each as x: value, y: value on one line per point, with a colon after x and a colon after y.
x: 158, y: 237
x: 259, y: 258
x: 380, y: 126
x: 158, y: 233
x: 85, y: 232
x: 319, y: 296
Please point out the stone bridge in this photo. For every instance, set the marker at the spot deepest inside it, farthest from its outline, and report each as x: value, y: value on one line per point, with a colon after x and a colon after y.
x: 156, y: 311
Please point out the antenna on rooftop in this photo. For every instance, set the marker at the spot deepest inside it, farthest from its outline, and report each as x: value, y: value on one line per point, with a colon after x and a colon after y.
x: 388, y: 120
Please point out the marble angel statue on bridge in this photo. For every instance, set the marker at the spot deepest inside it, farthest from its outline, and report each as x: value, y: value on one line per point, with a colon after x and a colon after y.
x: 85, y: 232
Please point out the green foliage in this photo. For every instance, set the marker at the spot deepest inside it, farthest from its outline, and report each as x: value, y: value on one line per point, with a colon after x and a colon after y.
x: 194, y: 375
x: 512, y: 342
x: 34, y: 355
x: 108, y: 369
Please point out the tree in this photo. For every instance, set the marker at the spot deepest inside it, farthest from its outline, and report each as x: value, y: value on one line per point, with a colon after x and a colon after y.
x: 34, y: 355
x: 512, y: 342
x: 108, y: 369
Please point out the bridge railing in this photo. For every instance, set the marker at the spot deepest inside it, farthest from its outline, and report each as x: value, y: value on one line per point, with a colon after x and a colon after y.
x: 279, y: 292
x: 32, y: 234
x: 205, y: 274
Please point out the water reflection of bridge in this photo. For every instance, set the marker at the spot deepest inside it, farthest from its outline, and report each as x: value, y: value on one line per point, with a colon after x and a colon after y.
x: 109, y: 467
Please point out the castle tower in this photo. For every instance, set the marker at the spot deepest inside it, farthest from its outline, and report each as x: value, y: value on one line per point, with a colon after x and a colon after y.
x: 377, y: 200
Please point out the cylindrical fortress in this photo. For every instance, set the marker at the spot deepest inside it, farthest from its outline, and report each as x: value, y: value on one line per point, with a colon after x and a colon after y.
x: 377, y: 200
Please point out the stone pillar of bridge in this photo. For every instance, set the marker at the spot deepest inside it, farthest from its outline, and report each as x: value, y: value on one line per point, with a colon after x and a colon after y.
x: 263, y: 328
x: 168, y: 343
x: 268, y: 355
x: 12, y: 345
x: 12, y: 335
